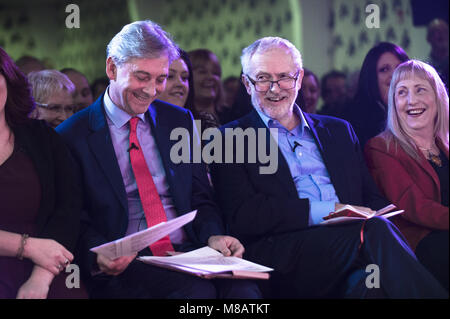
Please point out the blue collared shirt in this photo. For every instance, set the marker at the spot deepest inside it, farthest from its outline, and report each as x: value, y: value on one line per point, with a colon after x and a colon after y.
x: 119, y: 128
x: 306, y: 165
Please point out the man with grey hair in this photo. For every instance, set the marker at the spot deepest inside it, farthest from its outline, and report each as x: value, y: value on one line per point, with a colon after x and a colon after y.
x: 122, y: 146
x: 320, y: 169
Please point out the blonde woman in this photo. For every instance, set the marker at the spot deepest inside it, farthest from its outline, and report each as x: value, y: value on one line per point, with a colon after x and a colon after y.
x: 409, y: 162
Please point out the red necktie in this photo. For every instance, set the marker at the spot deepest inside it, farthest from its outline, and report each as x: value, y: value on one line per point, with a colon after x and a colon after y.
x: 153, y: 207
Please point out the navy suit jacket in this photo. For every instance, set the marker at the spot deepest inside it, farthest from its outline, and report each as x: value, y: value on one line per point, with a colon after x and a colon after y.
x: 257, y: 206
x: 105, y: 204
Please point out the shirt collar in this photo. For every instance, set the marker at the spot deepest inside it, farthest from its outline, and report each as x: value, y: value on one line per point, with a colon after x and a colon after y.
x: 272, y: 123
x: 118, y: 116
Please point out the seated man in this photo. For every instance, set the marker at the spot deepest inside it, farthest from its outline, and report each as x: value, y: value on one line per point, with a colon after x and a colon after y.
x: 319, y: 167
x: 122, y: 146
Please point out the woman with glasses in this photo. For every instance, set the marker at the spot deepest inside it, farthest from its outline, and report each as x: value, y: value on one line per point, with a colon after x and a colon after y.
x: 53, y: 92
x: 40, y: 199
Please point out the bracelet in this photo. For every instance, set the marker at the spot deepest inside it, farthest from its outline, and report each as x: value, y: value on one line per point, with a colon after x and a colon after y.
x: 22, y: 246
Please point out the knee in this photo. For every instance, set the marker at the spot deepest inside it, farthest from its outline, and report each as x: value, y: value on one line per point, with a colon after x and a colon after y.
x: 195, y: 288
x: 238, y: 289
x: 379, y: 225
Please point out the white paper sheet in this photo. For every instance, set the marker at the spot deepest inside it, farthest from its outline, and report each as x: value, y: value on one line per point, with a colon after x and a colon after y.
x: 206, y: 261
x: 134, y: 243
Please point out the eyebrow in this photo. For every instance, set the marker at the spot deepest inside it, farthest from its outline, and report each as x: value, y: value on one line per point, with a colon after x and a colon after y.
x: 139, y: 72
x: 277, y: 74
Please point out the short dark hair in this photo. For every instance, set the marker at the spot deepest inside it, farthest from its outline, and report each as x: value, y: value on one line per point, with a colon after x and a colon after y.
x: 330, y: 75
x: 19, y: 101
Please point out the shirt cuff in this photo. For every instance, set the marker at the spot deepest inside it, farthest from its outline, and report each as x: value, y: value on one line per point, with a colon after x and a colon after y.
x: 318, y: 210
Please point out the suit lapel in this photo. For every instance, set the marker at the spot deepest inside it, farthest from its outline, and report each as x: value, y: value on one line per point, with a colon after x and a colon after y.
x: 283, y: 174
x: 161, y: 132
x: 101, y: 146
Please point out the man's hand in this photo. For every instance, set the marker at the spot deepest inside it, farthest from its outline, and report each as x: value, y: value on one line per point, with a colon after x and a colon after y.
x: 227, y: 245
x: 338, y: 206
x: 114, y: 267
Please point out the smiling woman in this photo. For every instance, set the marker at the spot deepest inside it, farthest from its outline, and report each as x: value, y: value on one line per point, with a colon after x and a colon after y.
x: 409, y: 162
x: 53, y: 92
x: 180, y: 84
x: 368, y: 110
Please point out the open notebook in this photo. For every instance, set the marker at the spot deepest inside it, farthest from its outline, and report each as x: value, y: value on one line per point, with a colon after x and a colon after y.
x: 349, y: 213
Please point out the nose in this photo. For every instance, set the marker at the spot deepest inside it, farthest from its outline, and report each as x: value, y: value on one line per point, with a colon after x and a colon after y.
x: 151, y: 89
x: 412, y: 98
x: 274, y: 87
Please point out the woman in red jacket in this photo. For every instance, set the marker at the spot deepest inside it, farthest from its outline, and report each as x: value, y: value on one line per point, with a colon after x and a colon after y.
x: 409, y: 162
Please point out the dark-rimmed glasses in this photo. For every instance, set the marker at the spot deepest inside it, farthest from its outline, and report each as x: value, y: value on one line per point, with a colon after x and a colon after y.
x: 285, y: 83
x: 57, y: 108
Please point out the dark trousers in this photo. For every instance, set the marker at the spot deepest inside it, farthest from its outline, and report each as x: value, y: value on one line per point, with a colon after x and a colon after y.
x: 320, y: 262
x: 143, y: 281
x: 432, y: 252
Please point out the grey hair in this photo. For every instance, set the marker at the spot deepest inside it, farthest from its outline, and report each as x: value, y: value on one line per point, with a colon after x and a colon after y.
x: 267, y: 44
x: 47, y: 83
x: 394, y: 125
x: 141, y: 39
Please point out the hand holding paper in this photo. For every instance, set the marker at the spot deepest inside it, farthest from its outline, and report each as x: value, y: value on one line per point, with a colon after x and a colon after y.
x: 134, y: 243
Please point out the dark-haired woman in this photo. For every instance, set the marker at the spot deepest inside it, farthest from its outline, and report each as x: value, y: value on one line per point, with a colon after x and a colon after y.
x: 39, y: 196
x: 368, y: 111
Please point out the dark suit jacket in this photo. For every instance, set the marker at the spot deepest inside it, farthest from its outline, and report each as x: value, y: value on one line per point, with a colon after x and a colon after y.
x: 60, y: 206
x: 411, y: 185
x: 257, y: 206
x: 105, y: 203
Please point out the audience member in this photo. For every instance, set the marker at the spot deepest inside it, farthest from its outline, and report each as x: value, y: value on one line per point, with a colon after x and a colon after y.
x: 409, y: 162
x: 334, y: 93
x: 28, y: 64
x: 40, y: 199
x: 242, y: 103
x: 180, y: 84
x: 437, y: 37
x: 368, y: 111
x: 309, y: 93
x: 53, y: 93
x: 277, y: 214
x: 82, y: 97
x: 231, y: 88
x: 99, y: 86
x: 126, y: 191
x: 208, y: 99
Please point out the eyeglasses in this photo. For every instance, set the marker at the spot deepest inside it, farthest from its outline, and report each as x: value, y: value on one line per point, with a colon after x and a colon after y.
x: 285, y: 83
x: 57, y: 108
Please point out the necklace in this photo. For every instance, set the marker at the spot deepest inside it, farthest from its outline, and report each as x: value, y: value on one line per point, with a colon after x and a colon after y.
x: 431, y: 156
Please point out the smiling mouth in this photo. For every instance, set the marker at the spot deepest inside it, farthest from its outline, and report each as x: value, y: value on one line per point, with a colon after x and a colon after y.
x: 177, y: 94
x: 141, y: 97
x: 415, y: 112
x: 276, y: 99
